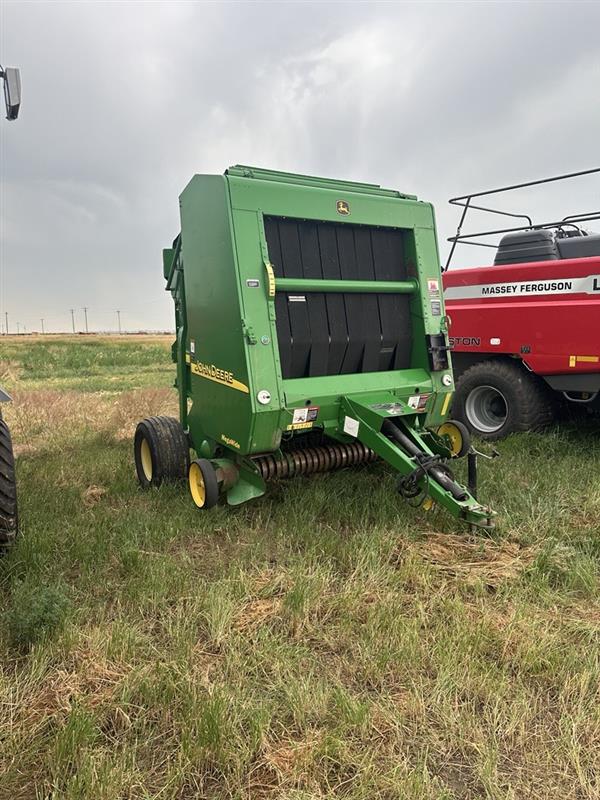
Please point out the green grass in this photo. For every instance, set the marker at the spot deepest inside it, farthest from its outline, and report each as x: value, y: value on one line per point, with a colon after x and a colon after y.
x: 326, y: 641
x: 86, y: 364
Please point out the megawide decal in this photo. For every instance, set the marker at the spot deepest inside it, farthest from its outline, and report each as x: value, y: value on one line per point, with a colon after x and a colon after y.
x: 231, y: 442
x: 343, y: 208
x: 218, y: 375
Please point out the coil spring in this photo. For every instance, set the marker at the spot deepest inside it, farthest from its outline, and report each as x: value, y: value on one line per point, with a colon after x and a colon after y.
x: 313, y: 459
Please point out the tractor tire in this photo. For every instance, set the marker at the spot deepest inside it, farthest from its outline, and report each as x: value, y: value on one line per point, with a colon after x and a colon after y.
x: 496, y: 398
x: 9, y: 520
x: 161, y: 451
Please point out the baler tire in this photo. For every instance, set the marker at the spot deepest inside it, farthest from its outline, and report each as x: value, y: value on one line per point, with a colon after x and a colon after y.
x: 206, y: 495
x: 528, y: 401
x: 161, y: 451
x: 9, y: 518
x: 460, y: 437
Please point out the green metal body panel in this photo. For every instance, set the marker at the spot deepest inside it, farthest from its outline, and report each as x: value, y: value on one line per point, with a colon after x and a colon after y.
x: 219, y: 272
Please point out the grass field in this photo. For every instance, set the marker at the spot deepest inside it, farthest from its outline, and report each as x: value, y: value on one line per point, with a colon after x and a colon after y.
x: 326, y: 641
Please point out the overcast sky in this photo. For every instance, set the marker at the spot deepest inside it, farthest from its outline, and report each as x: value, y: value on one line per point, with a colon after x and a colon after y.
x: 124, y: 102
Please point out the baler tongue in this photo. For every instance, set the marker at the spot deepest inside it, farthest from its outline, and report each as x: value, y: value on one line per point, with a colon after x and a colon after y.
x: 311, y: 335
x: 388, y: 428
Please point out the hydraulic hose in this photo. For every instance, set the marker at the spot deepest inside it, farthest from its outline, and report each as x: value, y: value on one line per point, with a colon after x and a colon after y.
x: 434, y: 470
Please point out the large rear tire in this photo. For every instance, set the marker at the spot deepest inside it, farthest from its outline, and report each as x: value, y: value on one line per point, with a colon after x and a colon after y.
x: 161, y: 451
x: 9, y: 520
x: 496, y: 398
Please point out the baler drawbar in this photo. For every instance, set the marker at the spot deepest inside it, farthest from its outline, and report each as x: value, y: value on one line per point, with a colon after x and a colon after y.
x: 311, y: 335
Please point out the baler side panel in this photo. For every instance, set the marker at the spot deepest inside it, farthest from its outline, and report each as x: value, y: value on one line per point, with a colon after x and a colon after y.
x: 255, y: 310
x: 221, y: 408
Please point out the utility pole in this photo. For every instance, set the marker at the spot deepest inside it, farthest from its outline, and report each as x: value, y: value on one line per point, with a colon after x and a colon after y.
x: 6, y: 317
x: 42, y: 327
x: 18, y: 326
x: 85, y: 313
x: 119, y: 319
x: 73, y: 319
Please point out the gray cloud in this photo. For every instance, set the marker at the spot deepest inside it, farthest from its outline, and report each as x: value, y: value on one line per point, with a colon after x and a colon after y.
x: 123, y: 102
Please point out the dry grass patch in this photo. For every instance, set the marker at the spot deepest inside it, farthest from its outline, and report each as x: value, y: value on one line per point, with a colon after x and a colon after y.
x: 473, y: 559
x: 47, y: 419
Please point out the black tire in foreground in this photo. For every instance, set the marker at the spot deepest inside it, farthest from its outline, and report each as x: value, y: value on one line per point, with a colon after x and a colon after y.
x: 203, y: 484
x: 496, y: 398
x: 161, y: 451
x: 9, y: 521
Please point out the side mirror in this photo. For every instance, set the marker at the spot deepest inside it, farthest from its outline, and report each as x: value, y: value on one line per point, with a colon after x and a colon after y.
x: 12, y: 91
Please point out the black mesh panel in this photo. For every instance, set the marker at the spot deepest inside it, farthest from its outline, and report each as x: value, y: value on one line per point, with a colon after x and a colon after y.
x: 339, y: 333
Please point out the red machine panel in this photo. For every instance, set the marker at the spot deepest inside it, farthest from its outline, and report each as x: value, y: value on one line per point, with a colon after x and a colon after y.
x: 547, y: 313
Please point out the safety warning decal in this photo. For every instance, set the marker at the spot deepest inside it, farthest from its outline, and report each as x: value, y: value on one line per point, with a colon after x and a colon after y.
x: 303, y: 418
x: 418, y: 401
x: 305, y: 414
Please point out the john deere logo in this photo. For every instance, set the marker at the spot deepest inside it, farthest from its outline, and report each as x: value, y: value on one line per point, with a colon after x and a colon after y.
x: 342, y: 207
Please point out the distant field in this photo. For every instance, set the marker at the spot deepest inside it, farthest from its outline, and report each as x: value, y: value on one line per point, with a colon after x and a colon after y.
x: 326, y: 641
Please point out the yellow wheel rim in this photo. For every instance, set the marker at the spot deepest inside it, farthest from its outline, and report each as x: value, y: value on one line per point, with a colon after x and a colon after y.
x: 146, y: 459
x: 454, y: 435
x: 197, y: 487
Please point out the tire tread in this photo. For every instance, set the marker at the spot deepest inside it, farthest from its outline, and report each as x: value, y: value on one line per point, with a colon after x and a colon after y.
x: 169, y: 447
x: 8, y: 488
x: 537, y: 406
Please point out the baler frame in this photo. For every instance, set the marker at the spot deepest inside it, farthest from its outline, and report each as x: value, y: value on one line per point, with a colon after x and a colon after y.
x: 391, y: 412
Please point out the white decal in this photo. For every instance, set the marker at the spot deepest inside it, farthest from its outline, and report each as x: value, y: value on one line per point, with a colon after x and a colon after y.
x: 351, y: 426
x: 300, y: 415
x: 587, y: 285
